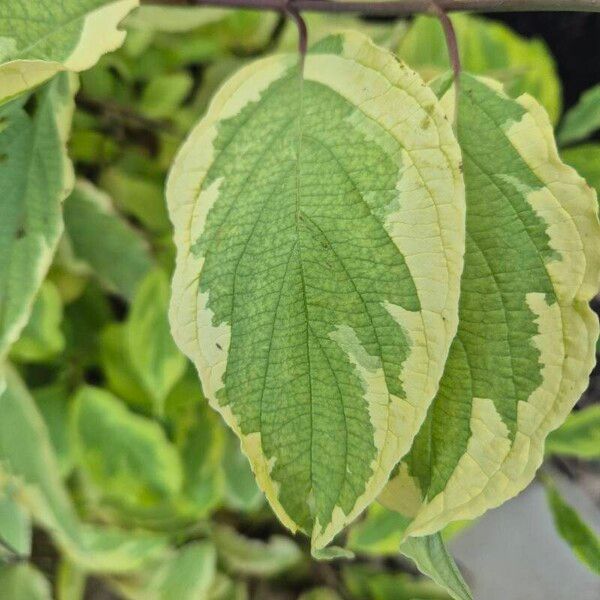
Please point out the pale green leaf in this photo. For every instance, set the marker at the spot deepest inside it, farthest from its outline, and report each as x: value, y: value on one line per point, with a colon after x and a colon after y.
x: 127, y: 457
x: 154, y: 356
x: 369, y: 583
x: 245, y: 556
x: 578, y: 436
x: 35, y: 176
x: 98, y: 549
x: 53, y: 403
x: 187, y: 574
x: 379, y: 533
x: 583, y: 541
x: 99, y: 237
x: 42, y: 338
x: 526, y: 337
x: 583, y: 119
x: 585, y: 159
x: 70, y: 581
x: 317, y: 275
x: 432, y: 558
x: 23, y: 582
x: 174, y: 19
x: 39, y: 39
x: 224, y: 588
x: 488, y: 48
x: 241, y: 491
x: 15, y: 523
x: 164, y: 94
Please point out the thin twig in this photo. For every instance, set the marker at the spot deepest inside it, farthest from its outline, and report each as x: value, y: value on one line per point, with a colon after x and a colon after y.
x: 295, y: 15
x: 453, y: 53
x: 401, y: 8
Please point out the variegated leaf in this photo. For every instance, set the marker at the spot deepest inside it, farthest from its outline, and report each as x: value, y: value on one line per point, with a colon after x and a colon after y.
x: 319, y: 228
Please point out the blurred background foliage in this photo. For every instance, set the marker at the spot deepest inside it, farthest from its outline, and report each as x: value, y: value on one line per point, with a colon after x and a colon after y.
x: 123, y: 482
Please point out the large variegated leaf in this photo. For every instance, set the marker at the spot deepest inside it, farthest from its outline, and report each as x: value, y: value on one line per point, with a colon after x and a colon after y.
x: 39, y: 38
x: 319, y: 228
x: 35, y: 176
x: 526, y: 337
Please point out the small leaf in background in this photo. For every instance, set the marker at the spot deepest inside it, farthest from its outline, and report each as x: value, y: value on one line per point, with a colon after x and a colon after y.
x: 100, y: 549
x: 371, y: 583
x: 173, y: 19
x: 127, y: 457
x: 35, y: 177
x: 157, y: 360
x: 53, y: 404
x: 241, y: 491
x: 321, y: 593
x: 15, y: 522
x: 70, y: 581
x: 581, y: 120
x: 99, y: 237
x: 225, y: 588
x: 585, y: 159
x: 432, y: 558
x: 38, y: 42
x: 578, y: 436
x: 164, y: 94
x: 583, y: 541
x: 244, y: 556
x: 379, y: 533
x: 199, y: 436
x: 187, y: 574
x: 23, y: 582
x: 488, y: 48
x: 42, y: 338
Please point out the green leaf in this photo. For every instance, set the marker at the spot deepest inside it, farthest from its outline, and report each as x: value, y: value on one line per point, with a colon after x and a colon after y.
x: 320, y: 593
x: 174, y: 19
x: 23, y: 582
x: 486, y: 48
x: 432, y: 558
x: 244, y: 556
x: 53, y: 404
x: 35, y: 176
x: 97, y: 549
x: 102, y: 239
x: 15, y: 523
x: 187, y: 574
x: 224, y: 588
x: 125, y: 456
x: 241, y: 492
x: 532, y: 264
x: 70, y: 581
x: 583, y: 541
x: 154, y: 356
x: 200, y: 438
x: 39, y: 39
x: 379, y: 533
x: 164, y: 94
x: 42, y: 338
x: 583, y: 119
x: 585, y: 159
x: 302, y: 292
x: 578, y: 436
x: 369, y: 583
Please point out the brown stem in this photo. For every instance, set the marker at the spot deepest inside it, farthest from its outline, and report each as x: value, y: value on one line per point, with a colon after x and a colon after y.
x: 400, y: 8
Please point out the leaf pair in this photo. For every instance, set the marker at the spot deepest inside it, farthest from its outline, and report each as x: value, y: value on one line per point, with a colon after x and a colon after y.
x: 320, y: 226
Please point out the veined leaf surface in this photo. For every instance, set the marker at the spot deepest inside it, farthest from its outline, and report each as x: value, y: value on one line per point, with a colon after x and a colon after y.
x: 38, y: 39
x: 319, y: 228
x: 526, y: 336
x: 35, y: 177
